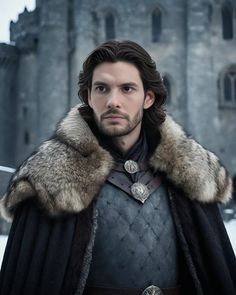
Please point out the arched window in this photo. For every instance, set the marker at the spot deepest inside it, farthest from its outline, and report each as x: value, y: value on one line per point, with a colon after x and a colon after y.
x: 227, y: 21
x: 110, y: 26
x: 209, y: 12
x: 166, y: 82
x: 156, y: 25
x: 25, y: 112
x: 26, y: 137
x: 228, y: 87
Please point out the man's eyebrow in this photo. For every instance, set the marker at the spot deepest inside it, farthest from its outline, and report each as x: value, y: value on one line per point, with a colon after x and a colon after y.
x: 99, y: 83
x: 129, y: 84
x: 96, y: 83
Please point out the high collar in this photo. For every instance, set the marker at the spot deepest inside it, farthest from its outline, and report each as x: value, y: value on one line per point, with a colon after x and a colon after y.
x: 138, y: 152
x: 66, y: 172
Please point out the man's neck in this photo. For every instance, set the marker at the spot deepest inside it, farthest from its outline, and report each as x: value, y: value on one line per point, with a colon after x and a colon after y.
x: 125, y: 143
x: 122, y: 144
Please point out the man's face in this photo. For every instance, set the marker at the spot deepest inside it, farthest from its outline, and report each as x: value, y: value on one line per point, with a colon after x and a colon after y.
x: 117, y: 98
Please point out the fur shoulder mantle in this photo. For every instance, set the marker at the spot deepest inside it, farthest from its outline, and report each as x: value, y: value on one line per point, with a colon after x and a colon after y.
x: 66, y: 172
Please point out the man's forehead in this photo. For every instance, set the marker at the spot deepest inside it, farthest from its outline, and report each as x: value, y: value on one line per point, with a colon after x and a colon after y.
x: 121, y: 71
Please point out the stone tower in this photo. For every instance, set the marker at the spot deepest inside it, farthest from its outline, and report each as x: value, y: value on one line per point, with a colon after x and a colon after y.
x: 8, y: 66
x: 53, y: 82
x: 192, y: 42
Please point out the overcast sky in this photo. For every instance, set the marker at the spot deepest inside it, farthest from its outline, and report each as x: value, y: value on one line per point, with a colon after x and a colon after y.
x: 9, y: 10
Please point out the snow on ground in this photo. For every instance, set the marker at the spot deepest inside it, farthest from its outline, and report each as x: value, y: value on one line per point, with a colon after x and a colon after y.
x: 3, y: 241
x: 230, y: 227
x: 231, y: 230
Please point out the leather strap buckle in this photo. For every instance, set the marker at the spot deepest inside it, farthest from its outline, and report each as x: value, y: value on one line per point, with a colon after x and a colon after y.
x: 152, y: 290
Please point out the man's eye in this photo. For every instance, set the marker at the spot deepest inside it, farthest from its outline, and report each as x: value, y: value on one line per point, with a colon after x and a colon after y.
x: 101, y: 89
x: 127, y: 89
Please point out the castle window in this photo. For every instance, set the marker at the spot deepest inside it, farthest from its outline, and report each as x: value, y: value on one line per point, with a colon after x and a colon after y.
x: 228, y: 87
x: 25, y: 112
x: 166, y: 82
x: 227, y: 21
x: 110, y: 26
x: 209, y: 12
x: 35, y: 41
x: 156, y: 25
x: 26, y: 137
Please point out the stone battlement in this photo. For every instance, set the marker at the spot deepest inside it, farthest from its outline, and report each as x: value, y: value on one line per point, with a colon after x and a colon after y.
x: 24, y: 32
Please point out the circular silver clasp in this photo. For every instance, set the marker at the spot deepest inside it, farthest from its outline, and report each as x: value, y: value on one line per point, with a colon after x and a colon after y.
x: 131, y: 166
x: 139, y: 191
x: 152, y: 290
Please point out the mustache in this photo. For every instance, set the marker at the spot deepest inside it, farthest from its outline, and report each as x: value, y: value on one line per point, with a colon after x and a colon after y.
x: 114, y: 112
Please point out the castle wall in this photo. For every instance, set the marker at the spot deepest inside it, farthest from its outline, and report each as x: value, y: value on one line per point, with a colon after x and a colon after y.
x: 224, y: 56
x: 53, y: 91
x: 202, y: 106
x: 172, y: 45
x: 27, y: 112
x: 24, y: 34
x: 8, y: 67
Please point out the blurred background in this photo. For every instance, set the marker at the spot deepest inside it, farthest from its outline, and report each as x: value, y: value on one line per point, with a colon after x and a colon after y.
x: 193, y: 43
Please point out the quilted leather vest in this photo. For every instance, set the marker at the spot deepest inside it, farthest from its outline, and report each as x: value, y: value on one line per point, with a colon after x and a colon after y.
x: 135, y: 244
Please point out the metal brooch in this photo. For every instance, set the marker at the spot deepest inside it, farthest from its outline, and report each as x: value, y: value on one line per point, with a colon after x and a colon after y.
x: 139, y: 191
x: 131, y: 166
x: 152, y: 290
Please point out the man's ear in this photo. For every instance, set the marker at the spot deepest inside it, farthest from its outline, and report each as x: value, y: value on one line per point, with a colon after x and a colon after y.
x: 149, y: 99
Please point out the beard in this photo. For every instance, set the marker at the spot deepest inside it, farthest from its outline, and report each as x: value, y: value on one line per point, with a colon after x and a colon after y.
x: 113, y: 130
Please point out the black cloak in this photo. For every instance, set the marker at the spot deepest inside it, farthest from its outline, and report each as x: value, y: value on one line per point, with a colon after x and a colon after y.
x: 46, y: 255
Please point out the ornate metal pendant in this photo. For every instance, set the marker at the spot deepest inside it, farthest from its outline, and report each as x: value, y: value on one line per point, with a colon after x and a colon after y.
x: 139, y: 191
x: 131, y: 166
x: 152, y: 290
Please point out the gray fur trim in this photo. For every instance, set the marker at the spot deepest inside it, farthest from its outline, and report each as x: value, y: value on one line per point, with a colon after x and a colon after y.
x: 67, y: 172
x: 189, y: 166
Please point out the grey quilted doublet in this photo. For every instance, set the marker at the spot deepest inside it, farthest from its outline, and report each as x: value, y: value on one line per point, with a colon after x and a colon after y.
x: 135, y: 244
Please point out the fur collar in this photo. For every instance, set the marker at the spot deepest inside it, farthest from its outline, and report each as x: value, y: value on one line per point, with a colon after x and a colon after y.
x: 66, y: 172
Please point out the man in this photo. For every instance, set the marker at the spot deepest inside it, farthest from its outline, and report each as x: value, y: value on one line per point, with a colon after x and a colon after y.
x: 119, y: 201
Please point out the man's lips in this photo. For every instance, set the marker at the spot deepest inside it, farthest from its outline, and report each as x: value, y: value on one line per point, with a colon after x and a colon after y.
x: 113, y: 117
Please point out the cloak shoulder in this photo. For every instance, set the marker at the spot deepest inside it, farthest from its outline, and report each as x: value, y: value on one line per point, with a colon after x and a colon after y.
x: 67, y: 172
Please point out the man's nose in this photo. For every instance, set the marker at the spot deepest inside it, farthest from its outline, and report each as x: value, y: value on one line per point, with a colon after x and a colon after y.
x: 113, y: 100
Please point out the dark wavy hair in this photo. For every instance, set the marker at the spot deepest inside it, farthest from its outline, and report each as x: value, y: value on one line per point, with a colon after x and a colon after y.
x: 131, y: 52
